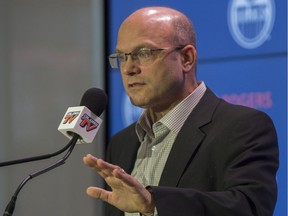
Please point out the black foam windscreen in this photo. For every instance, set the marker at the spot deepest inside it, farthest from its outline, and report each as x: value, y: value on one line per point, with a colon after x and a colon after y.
x: 94, y: 99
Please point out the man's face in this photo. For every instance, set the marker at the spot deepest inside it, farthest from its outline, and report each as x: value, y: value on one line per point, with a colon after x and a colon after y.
x: 159, y: 83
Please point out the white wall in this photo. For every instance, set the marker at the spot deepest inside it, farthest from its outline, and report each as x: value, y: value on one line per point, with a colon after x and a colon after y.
x: 50, y: 53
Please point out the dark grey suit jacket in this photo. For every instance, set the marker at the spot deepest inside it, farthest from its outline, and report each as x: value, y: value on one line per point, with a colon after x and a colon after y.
x: 223, y: 163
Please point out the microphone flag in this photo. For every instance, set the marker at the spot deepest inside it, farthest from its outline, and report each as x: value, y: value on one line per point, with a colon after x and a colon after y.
x: 80, y: 120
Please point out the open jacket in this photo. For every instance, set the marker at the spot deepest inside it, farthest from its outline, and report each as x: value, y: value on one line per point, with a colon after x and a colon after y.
x: 222, y: 163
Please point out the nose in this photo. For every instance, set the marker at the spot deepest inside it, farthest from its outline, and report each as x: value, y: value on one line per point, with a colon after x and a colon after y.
x: 130, y: 67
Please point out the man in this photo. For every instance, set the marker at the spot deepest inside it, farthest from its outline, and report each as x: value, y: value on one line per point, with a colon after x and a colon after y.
x: 190, y: 153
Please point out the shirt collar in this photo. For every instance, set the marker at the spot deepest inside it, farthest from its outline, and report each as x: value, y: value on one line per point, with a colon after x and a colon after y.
x: 175, y: 118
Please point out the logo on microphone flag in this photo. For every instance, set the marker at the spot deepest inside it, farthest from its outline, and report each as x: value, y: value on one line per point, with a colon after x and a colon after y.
x: 88, y: 123
x: 82, y: 121
x: 69, y: 117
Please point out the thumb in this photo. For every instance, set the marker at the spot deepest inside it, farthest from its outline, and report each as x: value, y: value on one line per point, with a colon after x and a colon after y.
x: 98, y: 193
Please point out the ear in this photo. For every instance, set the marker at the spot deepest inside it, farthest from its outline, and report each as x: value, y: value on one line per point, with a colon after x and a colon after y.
x: 189, y: 57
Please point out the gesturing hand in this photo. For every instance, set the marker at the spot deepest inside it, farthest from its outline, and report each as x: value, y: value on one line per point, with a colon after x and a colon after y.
x: 127, y: 194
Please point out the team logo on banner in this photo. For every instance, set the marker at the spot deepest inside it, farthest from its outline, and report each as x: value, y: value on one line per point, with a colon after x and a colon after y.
x: 251, y: 21
x: 130, y: 113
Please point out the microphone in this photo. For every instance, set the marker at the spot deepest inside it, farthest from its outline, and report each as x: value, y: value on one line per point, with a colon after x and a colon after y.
x: 84, y: 119
x: 93, y: 101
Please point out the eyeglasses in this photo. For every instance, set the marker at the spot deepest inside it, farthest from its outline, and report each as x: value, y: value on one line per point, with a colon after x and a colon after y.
x: 144, y: 56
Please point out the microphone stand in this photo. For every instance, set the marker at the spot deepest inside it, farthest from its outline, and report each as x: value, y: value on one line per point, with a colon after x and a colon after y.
x: 11, y: 205
x: 41, y: 157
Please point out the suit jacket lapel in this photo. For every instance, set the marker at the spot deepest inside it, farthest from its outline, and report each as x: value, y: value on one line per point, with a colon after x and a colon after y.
x: 188, y: 140
x: 129, y: 155
x: 123, y: 147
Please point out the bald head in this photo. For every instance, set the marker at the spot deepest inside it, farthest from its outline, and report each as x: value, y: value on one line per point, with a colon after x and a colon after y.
x: 158, y: 65
x: 164, y: 22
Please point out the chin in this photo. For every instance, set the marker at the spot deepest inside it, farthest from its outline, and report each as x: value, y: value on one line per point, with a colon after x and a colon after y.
x: 138, y: 103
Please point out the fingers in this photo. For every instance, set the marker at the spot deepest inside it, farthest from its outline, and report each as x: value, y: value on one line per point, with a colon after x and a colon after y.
x: 90, y: 160
x: 127, y: 193
x: 98, y: 193
x: 104, y: 168
x: 95, y: 162
x: 109, y: 172
x: 112, y: 174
